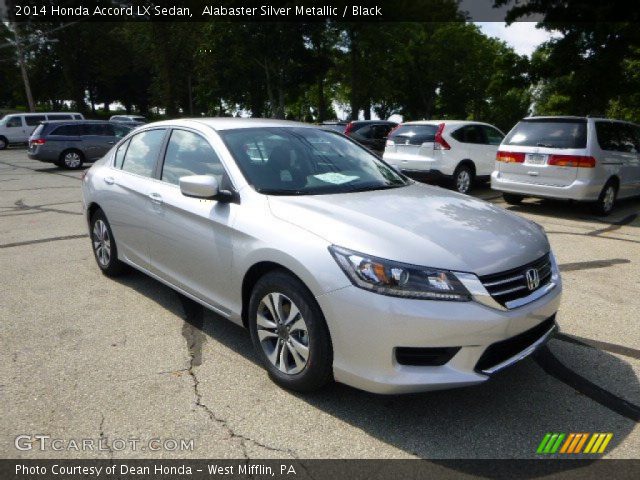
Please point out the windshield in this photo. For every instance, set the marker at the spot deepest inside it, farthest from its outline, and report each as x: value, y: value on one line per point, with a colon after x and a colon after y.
x: 306, y: 161
x: 552, y: 133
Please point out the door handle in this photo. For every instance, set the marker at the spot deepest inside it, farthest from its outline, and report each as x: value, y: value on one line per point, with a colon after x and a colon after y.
x: 156, y: 198
x: 109, y: 180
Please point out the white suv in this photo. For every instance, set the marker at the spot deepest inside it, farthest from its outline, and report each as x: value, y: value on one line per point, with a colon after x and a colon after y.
x: 459, y: 150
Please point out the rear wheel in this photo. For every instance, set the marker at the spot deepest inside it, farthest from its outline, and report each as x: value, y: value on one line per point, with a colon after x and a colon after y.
x: 104, y: 246
x: 289, y: 333
x: 607, y: 199
x: 463, y: 178
x: 71, y: 159
x: 512, y: 198
x: 4, y: 143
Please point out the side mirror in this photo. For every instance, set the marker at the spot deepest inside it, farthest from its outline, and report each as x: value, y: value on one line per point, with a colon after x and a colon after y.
x: 206, y: 187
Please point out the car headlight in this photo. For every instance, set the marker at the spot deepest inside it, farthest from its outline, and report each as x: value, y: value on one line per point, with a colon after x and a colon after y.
x: 399, y: 279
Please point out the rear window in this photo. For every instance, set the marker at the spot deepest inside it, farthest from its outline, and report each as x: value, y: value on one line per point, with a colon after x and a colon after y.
x: 38, y: 130
x: 59, y: 117
x: 67, y: 130
x: 414, y: 134
x: 552, y: 133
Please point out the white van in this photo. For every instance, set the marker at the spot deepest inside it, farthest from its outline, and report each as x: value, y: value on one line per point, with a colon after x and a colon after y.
x: 578, y: 158
x: 18, y: 127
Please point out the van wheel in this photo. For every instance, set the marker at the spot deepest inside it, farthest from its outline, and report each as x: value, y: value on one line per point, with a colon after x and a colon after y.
x: 71, y: 159
x: 607, y: 199
x: 512, y: 198
x: 4, y: 143
x: 289, y: 333
x: 463, y: 179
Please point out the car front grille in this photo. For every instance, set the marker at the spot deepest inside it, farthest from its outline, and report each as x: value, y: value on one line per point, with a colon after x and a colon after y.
x: 511, y: 285
x: 425, y: 357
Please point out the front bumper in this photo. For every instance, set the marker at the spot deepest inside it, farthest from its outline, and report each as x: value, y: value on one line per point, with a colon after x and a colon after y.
x: 579, y: 189
x: 366, y: 328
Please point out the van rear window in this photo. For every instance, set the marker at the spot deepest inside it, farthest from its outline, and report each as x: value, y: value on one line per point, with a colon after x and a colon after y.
x: 552, y: 133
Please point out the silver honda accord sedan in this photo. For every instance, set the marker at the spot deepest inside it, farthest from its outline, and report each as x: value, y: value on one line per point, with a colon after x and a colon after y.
x: 340, y: 267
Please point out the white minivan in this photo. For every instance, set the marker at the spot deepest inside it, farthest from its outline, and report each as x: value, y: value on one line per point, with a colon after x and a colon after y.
x: 460, y: 150
x: 576, y: 158
x: 18, y: 127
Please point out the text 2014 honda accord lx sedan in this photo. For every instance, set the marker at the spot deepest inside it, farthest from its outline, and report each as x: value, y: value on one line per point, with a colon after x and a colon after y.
x: 340, y: 267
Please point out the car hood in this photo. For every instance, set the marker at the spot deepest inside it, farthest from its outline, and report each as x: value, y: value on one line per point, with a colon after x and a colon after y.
x: 421, y: 225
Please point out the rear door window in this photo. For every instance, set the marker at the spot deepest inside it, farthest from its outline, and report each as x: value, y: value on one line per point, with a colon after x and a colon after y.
x: 143, y: 152
x: 99, y: 129
x: 33, y: 120
x: 616, y: 137
x: 59, y: 116
x: 469, y: 134
x: 67, y: 131
x: 414, y: 134
x: 552, y: 133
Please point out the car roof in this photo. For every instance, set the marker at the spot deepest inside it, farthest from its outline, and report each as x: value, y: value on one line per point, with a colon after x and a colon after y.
x: 74, y: 122
x: 446, y: 122
x: 228, y: 123
x: 571, y: 117
x: 374, y: 121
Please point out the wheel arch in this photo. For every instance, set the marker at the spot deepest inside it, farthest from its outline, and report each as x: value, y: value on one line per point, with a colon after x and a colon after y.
x: 466, y: 162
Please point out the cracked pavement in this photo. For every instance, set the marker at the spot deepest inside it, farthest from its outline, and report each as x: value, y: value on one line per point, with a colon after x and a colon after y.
x: 86, y: 357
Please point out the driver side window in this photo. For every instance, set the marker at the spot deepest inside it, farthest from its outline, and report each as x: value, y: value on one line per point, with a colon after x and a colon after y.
x: 189, y: 154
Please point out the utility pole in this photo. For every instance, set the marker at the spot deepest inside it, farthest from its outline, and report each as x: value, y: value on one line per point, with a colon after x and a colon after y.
x: 23, y: 68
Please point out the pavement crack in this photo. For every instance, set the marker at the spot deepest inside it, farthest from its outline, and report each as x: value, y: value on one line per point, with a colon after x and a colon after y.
x: 195, y: 337
x: 103, y: 437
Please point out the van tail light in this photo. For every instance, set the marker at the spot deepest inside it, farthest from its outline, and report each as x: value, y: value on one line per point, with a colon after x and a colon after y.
x: 581, y: 161
x: 440, y: 143
x: 510, y: 157
x: 38, y: 141
x: 349, y: 128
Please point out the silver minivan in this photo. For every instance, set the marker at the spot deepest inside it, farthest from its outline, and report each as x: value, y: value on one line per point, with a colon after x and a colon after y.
x: 18, y: 127
x: 575, y: 158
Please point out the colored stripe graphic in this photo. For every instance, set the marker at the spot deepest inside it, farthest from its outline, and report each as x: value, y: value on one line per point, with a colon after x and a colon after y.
x: 543, y: 443
x: 581, y: 443
x: 574, y: 442
x: 591, y: 443
x: 606, y: 442
x: 567, y: 443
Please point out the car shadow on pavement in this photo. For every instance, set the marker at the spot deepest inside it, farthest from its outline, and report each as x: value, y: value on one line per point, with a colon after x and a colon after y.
x: 504, y: 418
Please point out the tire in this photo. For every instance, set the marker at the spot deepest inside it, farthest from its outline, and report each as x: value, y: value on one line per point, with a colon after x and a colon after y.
x: 463, y: 179
x: 512, y: 198
x: 607, y: 199
x: 282, y: 344
x: 4, y: 143
x: 104, y: 246
x: 71, y: 159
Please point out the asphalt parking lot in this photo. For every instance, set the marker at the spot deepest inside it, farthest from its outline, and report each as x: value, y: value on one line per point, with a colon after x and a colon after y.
x: 85, y: 357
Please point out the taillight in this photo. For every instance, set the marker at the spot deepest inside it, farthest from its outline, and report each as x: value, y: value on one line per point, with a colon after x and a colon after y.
x: 440, y: 143
x: 510, y: 157
x: 38, y: 141
x: 581, y: 161
x: 349, y: 128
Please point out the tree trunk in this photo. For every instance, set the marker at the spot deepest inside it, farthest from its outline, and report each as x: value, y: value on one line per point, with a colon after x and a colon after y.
x: 354, y: 60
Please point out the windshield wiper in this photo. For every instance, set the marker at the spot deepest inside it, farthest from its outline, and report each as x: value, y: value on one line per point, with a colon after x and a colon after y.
x: 369, y: 188
x: 547, y: 145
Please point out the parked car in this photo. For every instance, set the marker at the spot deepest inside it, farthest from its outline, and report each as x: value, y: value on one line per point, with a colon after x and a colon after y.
x: 370, y: 133
x: 337, y: 125
x: 130, y: 120
x: 17, y: 127
x: 70, y: 144
x: 339, y: 266
x: 578, y: 158
x: 461, y: 151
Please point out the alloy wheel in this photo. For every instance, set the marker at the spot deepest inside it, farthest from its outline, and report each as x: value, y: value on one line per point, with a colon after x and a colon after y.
x: 609, y: 198
x: 72, y: 160
x: 283, y: 333
x: 463, y: 181
x: 101, y: 243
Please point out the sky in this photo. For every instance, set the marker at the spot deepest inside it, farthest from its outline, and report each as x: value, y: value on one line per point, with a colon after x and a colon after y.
x: 524, y: 37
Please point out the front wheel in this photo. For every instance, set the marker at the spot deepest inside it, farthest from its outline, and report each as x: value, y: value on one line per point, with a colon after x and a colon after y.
x: 463, y: 179
x: 4, y: 143
x: 607, y: 199
x: 289, y: 333
x: 104, y: 246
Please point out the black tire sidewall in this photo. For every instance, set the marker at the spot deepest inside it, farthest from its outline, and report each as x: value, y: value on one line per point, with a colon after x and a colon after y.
x: 319, y: 368
x: 5, y: 143
x: 599, y: 205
